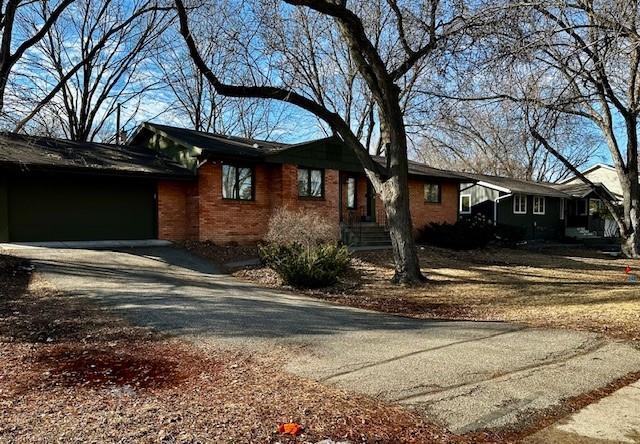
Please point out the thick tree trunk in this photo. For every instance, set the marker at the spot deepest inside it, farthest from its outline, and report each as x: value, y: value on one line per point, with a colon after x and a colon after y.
x: 396, y: 203
x: 631, y: 245
x: 395, y: 196
x: 631, y: 233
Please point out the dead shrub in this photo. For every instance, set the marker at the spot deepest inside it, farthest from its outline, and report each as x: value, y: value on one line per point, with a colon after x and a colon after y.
x: 305, y: 228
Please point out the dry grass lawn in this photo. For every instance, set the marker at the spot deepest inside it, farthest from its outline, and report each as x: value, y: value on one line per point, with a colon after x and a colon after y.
x: 576, y: 289
x: 71, y: 371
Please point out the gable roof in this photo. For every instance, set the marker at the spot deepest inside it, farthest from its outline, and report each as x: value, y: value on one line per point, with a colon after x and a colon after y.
x: 517, y: 186
x: 421, y: 169
x: 213, y: 143
x: 589, y: 170
x: 21, y: 152
x: 582, y: 190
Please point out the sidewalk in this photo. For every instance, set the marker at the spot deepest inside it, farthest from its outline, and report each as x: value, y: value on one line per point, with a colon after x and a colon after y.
x: 615, y: 418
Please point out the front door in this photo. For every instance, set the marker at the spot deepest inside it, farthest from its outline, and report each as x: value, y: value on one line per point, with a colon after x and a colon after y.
x: 370, y: 203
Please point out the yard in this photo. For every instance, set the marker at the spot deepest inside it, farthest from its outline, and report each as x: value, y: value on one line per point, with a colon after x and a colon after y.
x: 68, y: 365
x: 577, y: 289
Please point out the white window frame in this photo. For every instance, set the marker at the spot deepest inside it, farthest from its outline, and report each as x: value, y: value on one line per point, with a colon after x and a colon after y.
x: 519, y: 198
x: 461, y: 197
x: 544, y: 205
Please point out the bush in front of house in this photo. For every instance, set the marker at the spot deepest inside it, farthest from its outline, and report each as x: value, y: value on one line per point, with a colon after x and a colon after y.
x: 465, y: 234
x: 288, y: 227
x: 303, y: 248
x: 306, y: 266
x: 510, y: 235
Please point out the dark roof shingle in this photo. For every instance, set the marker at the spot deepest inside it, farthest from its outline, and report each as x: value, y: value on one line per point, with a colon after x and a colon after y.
x: 32, y: 152
x: 518, y: 185
x: 218, y: 144
x: 256, y: 149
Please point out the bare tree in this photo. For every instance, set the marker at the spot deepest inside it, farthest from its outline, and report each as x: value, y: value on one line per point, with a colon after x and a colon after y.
x: 17, y: 20
x: 582, y: 59
x: 417, y: 29
x: 100, y: 37
x: 194, y: 99
x: 112, y: 74
x: 493, y: 138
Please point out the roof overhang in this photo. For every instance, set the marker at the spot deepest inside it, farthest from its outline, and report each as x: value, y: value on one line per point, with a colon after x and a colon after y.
x: 19, y: 169
x: 492, y: 186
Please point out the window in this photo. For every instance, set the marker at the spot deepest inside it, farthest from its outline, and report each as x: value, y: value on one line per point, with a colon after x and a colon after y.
x: 539, y: 205
x: 465, y: 204
x: 351, y: 192
x: 562, y: 209
x: 519, y: 204
x: 237, y: 182
x: 310, y: 183
x: 596, y: 207
x: 432, y: 192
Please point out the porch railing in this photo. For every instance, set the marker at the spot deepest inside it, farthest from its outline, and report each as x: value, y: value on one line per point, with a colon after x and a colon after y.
x: 357, y: 218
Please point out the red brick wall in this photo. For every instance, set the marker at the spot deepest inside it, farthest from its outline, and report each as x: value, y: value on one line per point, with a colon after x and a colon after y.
x: 226, y: 220
x: 172, y: 210
x: 197, y: 210
x: 423, y: 212
x: 288, y: 194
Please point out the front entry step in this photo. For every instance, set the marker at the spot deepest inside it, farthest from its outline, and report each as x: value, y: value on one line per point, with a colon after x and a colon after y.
x: 365, y: 235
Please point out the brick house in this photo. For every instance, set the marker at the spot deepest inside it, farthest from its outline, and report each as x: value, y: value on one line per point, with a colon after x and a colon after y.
x: 239, y: 182
x: 176, y: 184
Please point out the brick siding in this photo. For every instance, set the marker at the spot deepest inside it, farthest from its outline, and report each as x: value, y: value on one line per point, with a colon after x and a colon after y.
x: 197, y: 211
x: 423, y: 212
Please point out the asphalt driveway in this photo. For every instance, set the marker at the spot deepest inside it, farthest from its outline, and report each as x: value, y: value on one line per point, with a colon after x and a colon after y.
x: 467, y: 375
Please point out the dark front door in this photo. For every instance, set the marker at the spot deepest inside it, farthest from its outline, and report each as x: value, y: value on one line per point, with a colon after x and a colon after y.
x: 370, y: 210
x: 80, y: 208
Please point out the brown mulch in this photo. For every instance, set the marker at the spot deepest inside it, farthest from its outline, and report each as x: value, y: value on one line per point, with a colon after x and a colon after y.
x: 221, y: 255
x: 574, y: 289
x: 71, y: 371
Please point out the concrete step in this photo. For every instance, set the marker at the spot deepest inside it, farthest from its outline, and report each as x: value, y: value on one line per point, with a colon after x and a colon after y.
x: 373, y: 243
x: 367, y: 234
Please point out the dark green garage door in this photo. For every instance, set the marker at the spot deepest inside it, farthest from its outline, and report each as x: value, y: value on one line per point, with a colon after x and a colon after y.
x: 77, y: 209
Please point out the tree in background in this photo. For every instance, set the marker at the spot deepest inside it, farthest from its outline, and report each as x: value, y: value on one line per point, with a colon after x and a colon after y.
x: 581, y: 60
x: 493, y: 138
x: 76, y: 88
x: 195, y: 100
x: 23, y: 24
x: 114, y: 62
x: 414, y: 33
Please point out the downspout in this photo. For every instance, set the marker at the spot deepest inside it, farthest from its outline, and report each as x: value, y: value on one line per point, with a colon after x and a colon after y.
x: 495, y: 207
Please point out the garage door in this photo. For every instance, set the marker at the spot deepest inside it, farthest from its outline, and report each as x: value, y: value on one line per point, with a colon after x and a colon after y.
x: 77, y: 209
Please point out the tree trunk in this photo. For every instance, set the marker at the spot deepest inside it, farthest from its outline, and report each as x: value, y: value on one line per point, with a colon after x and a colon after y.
x: 396, y: 203
x: 631, y: 245
x: 631, y: 236
x: 395, y: 197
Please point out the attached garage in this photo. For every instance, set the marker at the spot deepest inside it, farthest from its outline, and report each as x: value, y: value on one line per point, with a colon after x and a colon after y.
x: 57, y: 190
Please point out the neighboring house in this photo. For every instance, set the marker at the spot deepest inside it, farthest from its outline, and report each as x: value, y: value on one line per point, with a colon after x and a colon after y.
x: 177, y: 184
x: 542, y: 211
x: 536, y: 209
x: 240, y: 182
x: 607, y: 177
x: 599, y: 174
